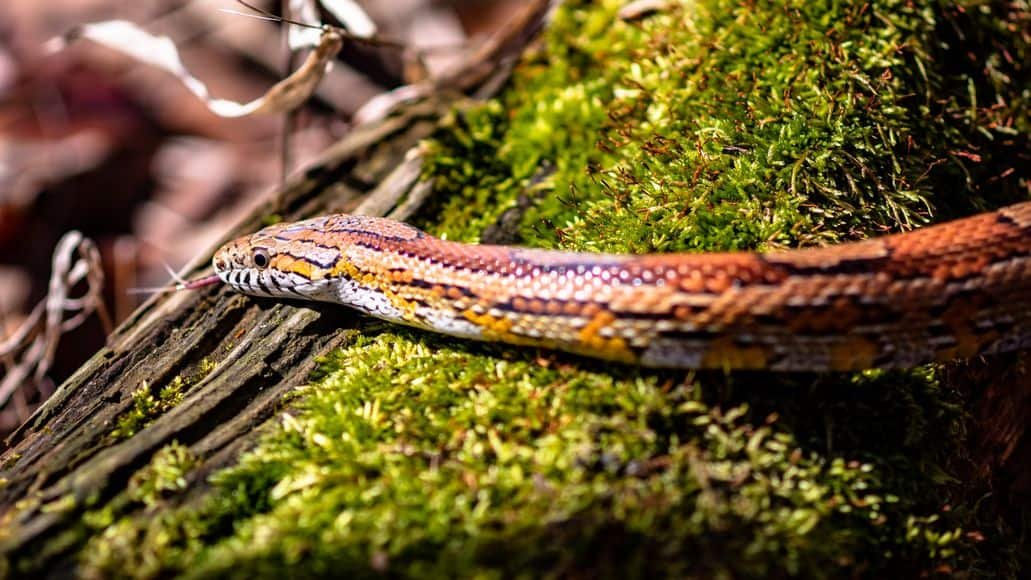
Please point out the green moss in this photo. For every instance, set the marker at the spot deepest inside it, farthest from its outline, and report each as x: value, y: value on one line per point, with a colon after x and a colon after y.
x: 710, y: 125
x: 479, y: 460
x: 146, y: 406
x: 62, y: 504
x: 726, y: 125
x: 120, y: 536
x: 165, y: 474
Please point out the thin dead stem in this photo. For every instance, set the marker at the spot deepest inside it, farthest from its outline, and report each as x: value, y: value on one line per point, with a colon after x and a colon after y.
x: 28, y: 353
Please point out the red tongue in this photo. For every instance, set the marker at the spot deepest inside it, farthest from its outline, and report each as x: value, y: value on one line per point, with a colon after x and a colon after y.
x: 199, y: 283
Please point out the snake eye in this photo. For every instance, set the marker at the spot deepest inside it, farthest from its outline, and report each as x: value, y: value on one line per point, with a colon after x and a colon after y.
x: 260, y: 258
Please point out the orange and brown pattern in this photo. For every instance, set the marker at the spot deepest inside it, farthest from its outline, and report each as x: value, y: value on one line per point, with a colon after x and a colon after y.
x: 954, y: 290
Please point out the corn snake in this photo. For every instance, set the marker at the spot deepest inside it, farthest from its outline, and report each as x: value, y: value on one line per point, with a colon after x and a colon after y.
x: 957, y: 289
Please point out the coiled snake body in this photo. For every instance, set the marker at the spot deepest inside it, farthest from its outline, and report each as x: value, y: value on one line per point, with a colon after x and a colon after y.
x: 953, y: 290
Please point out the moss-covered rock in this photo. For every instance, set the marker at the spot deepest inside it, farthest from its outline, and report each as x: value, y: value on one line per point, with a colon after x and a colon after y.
x: 708, y: 125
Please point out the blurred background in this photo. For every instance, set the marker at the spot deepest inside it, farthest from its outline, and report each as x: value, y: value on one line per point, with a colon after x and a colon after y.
x: 91, y: 140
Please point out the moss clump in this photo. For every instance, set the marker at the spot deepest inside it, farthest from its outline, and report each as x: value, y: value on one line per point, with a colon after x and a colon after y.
x: 118, y: 537
x: 165, y: 474
x: 422, y: 461
x: 710, y: 125
x: 146, y: 406
x: 721, y: 125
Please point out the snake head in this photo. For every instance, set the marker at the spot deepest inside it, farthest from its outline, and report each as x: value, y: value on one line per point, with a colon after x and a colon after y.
x: 277, y: 261
x: 340, y: 258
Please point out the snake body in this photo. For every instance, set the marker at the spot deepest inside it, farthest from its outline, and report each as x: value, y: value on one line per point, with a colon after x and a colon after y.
x: 953, y: 290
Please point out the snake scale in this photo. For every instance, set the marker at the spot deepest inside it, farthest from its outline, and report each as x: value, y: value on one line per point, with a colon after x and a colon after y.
x: 958, y: 289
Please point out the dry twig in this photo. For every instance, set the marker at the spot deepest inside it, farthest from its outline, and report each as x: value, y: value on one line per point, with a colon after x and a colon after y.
x: 29, y: 351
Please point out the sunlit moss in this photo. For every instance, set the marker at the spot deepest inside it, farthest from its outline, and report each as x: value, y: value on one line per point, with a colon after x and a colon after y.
x: 165, y: 474
x: 142, y: 544
x: 418, y: 459
x: 147, y: 406
x: 725, y: 125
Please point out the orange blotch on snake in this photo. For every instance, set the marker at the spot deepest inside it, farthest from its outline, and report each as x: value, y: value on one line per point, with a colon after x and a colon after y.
x: 402, y: 276
x: 590, y: 331
x: 493, y: 327
x: 836, y: 318
x: 286, y: 263
x: 957, y: 318
x: 682, y: 312
x: 692, y: 281
x: 614, y: 348
x: 718, y: 282
x: 571, y: 308
x: 535, y: 305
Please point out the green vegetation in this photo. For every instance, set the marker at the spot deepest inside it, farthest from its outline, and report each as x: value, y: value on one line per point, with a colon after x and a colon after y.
x: 469, y: 459
x: 165, y: 474
x: 147, y: 407
x: 729, y: 125
x: 710, y: 125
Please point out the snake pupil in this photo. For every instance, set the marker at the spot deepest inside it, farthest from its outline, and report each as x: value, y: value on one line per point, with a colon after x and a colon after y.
x: 261, y: 259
